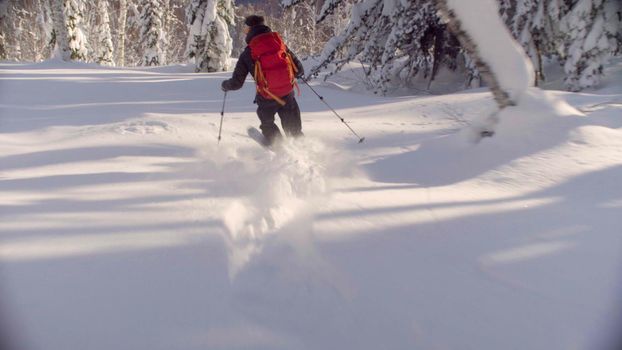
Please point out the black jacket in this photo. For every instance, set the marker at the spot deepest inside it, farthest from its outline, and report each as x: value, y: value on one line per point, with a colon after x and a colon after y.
x: 246, y: 65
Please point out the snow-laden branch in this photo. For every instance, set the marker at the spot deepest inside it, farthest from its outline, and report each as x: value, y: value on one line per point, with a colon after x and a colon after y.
x: 501, y: 62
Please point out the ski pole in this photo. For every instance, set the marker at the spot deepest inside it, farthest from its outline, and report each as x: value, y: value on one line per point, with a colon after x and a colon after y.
x: 361, y: 139
x: 222, y: 116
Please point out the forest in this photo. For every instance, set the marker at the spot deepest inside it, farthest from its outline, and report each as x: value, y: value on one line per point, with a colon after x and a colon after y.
x: 398, y: 42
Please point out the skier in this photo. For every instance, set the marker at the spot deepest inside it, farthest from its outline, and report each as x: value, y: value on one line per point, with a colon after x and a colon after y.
x: 275, y: 69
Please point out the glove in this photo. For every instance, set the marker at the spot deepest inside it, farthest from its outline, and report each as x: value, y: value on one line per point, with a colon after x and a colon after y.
x: 223, y: 86
x: 300, y: 74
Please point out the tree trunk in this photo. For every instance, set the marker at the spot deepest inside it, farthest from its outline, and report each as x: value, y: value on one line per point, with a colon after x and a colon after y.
x: 60, y: 30
x: 540, y: 72
x: 121, y: 32
x: 501, y: 97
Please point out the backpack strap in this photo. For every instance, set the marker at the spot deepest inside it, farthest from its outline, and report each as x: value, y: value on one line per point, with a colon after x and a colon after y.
x: 293, y: 70
x: 262, y: 84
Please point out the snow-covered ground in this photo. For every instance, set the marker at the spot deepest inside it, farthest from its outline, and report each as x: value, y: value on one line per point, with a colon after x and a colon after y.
x: 124, y: 225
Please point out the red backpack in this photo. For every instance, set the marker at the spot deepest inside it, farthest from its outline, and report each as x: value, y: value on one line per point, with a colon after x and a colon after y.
x: 275, y: 71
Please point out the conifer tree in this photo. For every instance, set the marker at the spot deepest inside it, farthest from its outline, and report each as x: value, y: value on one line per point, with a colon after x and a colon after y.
x: 4, y: 49
x: 397, y: 40
x: 535, y: 24
x: 45, y: 24
x: 209, y: 43
x: 152, y: 36
x: 3, y: 21
x: 133, y: 29
x: 105, y: 51
x: 70, y: 39
x: 77, y: 40
x: 591, y: 30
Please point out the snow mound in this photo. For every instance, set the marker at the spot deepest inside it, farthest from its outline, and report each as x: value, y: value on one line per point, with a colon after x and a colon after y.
x: 540, y: 122
x: 289, y: 184
x: 529, y: 119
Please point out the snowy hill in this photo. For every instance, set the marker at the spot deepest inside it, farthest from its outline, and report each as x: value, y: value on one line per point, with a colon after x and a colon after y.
x: 124, y: 225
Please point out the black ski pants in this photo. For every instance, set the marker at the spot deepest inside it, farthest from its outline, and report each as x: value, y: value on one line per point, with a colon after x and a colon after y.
x: 289, y: 114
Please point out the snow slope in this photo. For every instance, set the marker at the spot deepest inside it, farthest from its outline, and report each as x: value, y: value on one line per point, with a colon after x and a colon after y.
x: 124, y: 225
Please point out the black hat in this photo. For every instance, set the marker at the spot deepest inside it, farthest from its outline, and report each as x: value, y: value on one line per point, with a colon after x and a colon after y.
x: 253, y: 20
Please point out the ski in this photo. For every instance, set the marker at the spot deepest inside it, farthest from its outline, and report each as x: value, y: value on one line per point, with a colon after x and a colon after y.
x: 256, y: 135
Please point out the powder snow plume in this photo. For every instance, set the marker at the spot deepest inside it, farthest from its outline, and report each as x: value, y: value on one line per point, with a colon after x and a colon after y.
x: 288, y: 184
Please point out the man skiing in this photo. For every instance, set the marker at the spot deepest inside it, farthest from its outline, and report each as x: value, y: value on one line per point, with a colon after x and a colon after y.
x: 275, y: 69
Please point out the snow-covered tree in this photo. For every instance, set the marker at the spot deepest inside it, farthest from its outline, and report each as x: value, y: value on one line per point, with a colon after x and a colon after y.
x: 338, y: 18
x: 328, y: 8
x: 209, y: 43
x: 613, y: 11
x: 153, y: 39
x: 3, y: 50
x: 59, y: 34
x: 591, y: 31
x: 536, y: 26
x: 14, y: 30
x: 45, y: 26
x: 308, y: 25
x: 581, y: 33
x: 400, y: 41
x: 527, y: 21
x: 300, y: 30
x: 290, y: 3
x: 133, y: 46
x: 105, y: 51
x: 500, y: 60
x: 397, y: 40
x: 121, y: 29
x: 4, y: 7
x: 297, y: 24
x: 448, y: 9
x: 25, y: 30
x: 176, y: 29
x: 70, y: 39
